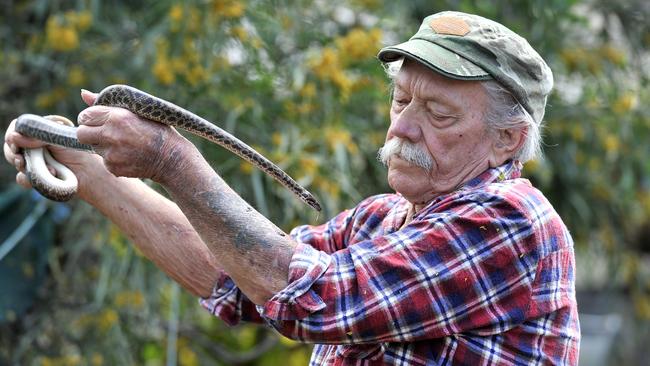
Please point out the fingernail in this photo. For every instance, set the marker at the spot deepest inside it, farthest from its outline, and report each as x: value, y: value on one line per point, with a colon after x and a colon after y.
x: 13, y: 148
x: 17, y: 162
x: 84, y: 91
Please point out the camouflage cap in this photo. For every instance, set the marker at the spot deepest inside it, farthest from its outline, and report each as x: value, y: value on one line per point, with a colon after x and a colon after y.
x: 469, y: 47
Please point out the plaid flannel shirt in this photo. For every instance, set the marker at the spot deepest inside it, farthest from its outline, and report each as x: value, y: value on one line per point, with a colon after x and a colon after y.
x: 481, y: 276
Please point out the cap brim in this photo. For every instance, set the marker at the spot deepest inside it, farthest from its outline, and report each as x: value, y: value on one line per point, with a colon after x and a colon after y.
x: 435, y: 57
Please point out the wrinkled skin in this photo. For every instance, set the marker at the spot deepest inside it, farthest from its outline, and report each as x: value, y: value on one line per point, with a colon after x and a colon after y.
x: 445, y: 117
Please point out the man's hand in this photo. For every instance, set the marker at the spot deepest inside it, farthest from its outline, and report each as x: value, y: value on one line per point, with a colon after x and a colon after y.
x: 83, y: 164
x: 131, y: 146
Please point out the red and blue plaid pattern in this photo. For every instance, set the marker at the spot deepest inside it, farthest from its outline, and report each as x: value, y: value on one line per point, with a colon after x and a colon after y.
x: 481, y: 276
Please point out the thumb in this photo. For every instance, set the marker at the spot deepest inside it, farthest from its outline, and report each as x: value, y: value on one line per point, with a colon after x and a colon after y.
x: 88, y: 97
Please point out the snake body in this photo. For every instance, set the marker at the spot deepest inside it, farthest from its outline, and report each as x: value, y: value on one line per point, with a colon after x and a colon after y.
x: 159, y: 110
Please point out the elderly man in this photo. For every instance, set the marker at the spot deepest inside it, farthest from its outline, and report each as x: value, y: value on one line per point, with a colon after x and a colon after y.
x: 466, y: 264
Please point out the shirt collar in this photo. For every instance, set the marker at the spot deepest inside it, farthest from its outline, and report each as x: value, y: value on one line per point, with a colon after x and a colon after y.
x: 509, y: 170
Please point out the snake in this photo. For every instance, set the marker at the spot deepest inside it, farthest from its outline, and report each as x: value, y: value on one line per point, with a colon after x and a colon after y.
x: 144, y: 105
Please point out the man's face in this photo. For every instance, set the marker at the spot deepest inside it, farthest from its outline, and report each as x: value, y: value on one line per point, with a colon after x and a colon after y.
x: 443, y: 118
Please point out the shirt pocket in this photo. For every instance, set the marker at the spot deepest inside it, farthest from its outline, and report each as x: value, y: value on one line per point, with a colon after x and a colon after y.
x: 370, y: 352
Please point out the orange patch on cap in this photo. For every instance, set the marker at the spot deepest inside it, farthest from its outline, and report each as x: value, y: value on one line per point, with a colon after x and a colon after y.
x: 450, y: 25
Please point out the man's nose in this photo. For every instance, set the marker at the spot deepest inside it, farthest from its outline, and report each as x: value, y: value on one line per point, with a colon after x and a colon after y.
x: 405, y: 125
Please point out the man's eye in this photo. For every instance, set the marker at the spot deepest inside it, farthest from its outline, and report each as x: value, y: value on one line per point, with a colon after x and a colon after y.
x: 441, y: 117
x: 442, y: 120
x: 401, y: 102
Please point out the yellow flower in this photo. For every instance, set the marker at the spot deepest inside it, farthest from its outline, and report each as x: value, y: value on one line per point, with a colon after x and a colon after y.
x: 196, y: 75
x: 577, y: 132
x: 613, y: 54
x: 219, y: 63
x: 178, y: 65
x: 308, y: 165
x: 97, y: 359
x: 308, y: 90
x: 286, y: 21
x: 176, y: 13
x: 133, y: 299
x: 84, y: 20
x: 331, y: 188
x: 594, y: 164
x: 44, y: 100
x: 117, y: 242
x: 256, y: 42
x: 60, y: 37
x: 106, y: 319
x: 228, y: 8
x: 359, y: 45
x: 162, y: 47
x: 290, y: 107
x: 642, y: 305
x: 176, y: 17
x: 573, y: 57
x: 163, y: 71
x: 377, y: 138
x: 194, y: 20
x: 76, y: 76
x: 326, y: 64
x: 277, y: 138
x: 611, y: 143
x: 625, y: 103
x: 340, y: 79
x: 246, y: 167
x: 187, y: 357
x: 335, y: 136
x: 305, y: 108
x: 240, y: 33
x: 329, y: 67
x: 49, y: 99
x: 80, y: 20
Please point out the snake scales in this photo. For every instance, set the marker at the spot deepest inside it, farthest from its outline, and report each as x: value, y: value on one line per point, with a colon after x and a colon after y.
x: 155, y: 109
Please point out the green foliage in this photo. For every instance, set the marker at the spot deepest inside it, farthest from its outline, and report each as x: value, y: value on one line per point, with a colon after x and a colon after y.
x: 298, y: 80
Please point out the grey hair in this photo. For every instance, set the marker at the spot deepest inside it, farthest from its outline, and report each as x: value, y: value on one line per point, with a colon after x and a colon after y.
x: 503, y: 112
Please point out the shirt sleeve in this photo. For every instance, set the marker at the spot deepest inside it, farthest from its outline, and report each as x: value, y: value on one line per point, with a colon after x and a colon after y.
x: 328, y: 237
x: 232, y: 306
x: 468, y: 268
x: 229, y: 303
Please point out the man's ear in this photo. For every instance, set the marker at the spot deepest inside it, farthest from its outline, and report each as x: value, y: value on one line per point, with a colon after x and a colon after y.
x: 506, y: 143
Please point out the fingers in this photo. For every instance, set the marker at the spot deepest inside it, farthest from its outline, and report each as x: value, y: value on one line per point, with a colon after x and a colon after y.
x: 91, y: 122
x: 15, y: 159
x: 88, y: 97
x: 94, y: 116
x: 16, y: 140
x: 19, y: 141
x: 22, y: 180
x: 90, y: 135
x: 9, y: 152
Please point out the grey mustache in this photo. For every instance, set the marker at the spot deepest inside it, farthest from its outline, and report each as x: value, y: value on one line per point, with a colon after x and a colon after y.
x: 406, y: 150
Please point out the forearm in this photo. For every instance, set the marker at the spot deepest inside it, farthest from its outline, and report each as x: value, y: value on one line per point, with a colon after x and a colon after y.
x: 158, y: 228
x: 249, y: 247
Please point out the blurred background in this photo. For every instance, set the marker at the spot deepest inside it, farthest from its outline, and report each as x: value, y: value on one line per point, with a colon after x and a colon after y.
x: 300, y: 82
